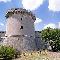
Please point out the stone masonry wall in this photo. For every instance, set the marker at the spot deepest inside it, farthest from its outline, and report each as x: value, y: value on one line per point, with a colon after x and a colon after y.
x: 21, y: 43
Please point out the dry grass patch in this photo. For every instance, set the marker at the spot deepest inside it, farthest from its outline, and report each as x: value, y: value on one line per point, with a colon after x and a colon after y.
x: 37, y: 55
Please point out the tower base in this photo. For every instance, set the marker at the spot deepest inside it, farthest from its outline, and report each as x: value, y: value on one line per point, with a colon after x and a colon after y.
x: 20, y: 43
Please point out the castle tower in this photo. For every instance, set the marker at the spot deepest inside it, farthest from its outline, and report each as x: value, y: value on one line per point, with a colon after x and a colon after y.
x: 20, y: 32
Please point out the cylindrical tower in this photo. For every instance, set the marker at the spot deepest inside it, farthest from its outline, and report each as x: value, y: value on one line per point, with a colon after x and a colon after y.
x: 20, y: 29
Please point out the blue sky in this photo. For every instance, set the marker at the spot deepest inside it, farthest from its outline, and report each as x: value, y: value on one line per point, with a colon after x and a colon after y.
x: 47, y: 12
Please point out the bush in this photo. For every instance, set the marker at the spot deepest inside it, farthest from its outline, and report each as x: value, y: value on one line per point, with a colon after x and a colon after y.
x: 53, y: 37
x: 7, y: 53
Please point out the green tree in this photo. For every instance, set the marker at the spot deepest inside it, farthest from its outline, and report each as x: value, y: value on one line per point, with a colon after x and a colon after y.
x: 53, y: 37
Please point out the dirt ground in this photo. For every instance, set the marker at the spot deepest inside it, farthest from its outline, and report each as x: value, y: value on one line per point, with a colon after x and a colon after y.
x: 40, y: 56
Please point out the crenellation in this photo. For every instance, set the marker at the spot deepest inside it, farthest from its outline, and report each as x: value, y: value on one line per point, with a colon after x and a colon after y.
x: 18, y: 11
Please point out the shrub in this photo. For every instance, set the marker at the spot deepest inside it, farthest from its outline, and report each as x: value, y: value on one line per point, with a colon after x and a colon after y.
x: 53, y: 37
x: 7, y: 53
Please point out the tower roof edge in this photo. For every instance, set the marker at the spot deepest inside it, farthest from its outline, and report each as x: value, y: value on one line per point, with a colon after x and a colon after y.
x: 12, y: 11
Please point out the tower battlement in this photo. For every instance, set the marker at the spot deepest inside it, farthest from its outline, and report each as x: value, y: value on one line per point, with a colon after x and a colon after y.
x: 22, y: 11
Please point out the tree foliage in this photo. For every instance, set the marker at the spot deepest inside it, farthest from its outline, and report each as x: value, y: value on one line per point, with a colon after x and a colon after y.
x: 53, y: 37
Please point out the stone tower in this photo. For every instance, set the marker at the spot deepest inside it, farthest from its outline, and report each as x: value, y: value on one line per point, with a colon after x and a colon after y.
x: 20, y: 32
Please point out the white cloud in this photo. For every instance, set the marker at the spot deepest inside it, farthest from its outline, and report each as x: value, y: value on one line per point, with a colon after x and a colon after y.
x: 5, y: 1
x: 1, y: 24
x: 51, y: 25
x: 32, y: 4
x: 37, y: 21
x: 54, y: 5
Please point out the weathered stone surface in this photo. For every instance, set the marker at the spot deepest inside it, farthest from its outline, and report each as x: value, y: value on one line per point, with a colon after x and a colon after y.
x: 39, y: 42
x: 20, y: 43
